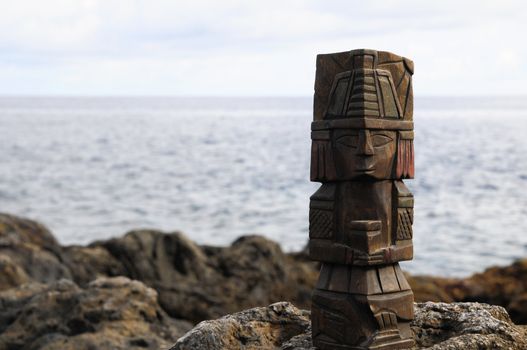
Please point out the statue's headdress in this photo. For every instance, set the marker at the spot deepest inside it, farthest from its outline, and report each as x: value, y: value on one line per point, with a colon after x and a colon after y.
x: 362, y: 89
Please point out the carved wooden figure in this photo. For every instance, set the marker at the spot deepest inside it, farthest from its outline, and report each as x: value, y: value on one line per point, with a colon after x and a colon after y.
x: 360, y: 219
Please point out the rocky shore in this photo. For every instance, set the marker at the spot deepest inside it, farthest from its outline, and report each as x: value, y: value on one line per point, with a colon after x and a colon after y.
x: 148, y: 288
x: 437, y: 326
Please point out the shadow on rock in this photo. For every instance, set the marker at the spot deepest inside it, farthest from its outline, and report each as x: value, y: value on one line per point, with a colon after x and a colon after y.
x: 109, y: 313
x: 438, y: 326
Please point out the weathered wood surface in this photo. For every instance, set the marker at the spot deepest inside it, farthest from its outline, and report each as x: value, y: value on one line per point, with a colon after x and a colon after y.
x: 361, y: 217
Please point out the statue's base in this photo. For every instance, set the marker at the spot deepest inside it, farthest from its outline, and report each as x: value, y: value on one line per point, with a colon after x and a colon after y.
x: 395, y: 345
x: 362, y: 322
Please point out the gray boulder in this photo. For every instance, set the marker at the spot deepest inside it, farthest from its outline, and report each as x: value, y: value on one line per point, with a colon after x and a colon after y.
x: 257, y: 328
x: 437, y: 326
x: 469, y: 326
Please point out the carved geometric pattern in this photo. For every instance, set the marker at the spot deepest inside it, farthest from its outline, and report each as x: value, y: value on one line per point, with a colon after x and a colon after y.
x: 386, y: 320
x: 320, y: 223
x: 363, y: 101
x: 362, y: 299
x: 404, y: 223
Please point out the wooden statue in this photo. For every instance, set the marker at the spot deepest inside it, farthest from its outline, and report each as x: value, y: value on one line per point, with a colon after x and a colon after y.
x: 360, y: 219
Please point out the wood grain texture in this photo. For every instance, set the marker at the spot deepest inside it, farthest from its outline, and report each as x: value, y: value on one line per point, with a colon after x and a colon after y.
x: 361, y: 217
x: 329, y: 65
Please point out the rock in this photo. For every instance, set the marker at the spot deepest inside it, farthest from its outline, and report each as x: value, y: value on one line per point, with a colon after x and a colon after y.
x: 16, y: 230
x: 193, y: 282
x: 257, y: 328
x: 110, y: 313
x: 466, y: 326
x: 172, y: 264
x: 299, y: 342
x: 505, y: 286
x: 202, y: 282
x: 11, y: 274
x: 28, y: 252
x: 89, y: 263
x: 430, y: 288
x: 13, y: 300
x: 198, y: 283
x: 517, y: 308
x: 437, y: 326
x: 261, y: 273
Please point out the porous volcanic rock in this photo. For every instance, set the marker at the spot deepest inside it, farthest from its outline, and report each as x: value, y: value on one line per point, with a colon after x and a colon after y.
x: 500, y: 285
x: 89, y: 263
x: 505, y: 286
x: 199, y: 282
x: 202, y: 282
x: 437, y: 326
x: 28, y: 252
x: 193, y: 282
x: 468, y: 326
x: 11, y: 274
x: 257, y: 328
x: 431, y: 288
x: 110, y: 313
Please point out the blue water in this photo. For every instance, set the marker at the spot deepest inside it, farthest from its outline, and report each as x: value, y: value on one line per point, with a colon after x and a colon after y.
x: 93, y: 168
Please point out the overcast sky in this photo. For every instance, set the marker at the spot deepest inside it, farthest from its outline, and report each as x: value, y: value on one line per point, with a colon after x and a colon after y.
x: 225, y: 48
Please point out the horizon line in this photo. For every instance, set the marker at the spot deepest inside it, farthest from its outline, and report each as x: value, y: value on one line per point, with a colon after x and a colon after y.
x: 235, y: 96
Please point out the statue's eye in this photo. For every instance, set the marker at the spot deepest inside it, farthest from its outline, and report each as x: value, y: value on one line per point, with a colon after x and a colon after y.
x: 349, y: 141
x: 380, y: 140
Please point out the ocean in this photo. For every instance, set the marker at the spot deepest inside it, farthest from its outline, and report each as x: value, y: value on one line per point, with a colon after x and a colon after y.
x: 219, y: 168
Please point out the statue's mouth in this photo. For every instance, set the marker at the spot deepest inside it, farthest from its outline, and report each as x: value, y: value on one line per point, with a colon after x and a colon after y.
x: 365, y: 170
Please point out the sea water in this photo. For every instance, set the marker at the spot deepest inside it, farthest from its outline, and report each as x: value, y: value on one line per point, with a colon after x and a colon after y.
x: 219, y: 168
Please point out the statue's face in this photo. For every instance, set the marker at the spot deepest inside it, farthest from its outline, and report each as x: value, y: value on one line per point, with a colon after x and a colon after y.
x: 364, y: 153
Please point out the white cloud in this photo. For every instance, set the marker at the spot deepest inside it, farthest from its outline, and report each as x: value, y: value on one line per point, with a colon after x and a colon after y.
x: 252, y: 48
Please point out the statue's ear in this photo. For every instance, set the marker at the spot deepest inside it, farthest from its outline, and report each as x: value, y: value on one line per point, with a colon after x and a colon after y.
x: 322, y: 162
x: 404, y: 168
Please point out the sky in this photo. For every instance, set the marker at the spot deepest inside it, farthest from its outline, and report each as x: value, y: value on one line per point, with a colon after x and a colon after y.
x: 253, y: 48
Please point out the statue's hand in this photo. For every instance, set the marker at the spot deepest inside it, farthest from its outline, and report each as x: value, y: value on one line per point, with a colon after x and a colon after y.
x: 363, y: 258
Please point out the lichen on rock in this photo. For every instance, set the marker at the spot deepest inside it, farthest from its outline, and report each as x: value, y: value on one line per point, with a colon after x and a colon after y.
x: 256, y: 328
x: 467, y: 326
x: 437, y: 326
x: 110, y: 313
x: 66, y: 297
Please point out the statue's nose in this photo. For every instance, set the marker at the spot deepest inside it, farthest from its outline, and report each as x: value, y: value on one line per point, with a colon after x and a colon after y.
x: 365, y: 146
